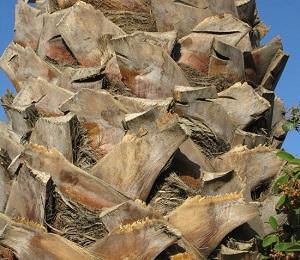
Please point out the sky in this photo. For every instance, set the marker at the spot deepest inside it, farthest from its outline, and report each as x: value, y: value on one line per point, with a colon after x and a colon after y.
x: 283, y: 18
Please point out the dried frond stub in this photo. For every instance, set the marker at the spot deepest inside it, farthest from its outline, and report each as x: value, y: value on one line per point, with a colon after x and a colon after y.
x: 212, y: 218
x: 144, y: 239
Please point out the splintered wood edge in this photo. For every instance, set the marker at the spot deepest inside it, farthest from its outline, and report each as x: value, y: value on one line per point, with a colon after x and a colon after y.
x: 149, y: 208
x: 37, y: 147
x: 232, y: 197
x: 39, y: 233
x: 229, y: 198
x: 53, y: 152
x: 146, y: 238
x: 138, y: 202
x: 259, y: 148
x: 229, y: 204
x: 36, y: 151
x: 184, y: 256
x: 140, y: 224
x: 29, y: 223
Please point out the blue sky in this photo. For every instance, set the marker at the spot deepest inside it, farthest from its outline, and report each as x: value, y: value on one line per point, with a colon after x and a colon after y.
x: 283, y: 18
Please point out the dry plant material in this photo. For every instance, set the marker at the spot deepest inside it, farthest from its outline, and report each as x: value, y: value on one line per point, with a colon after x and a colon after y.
x: 137, y: 99
x: 151, y: 146
x: 221, y: 214
x: 143, y: 239
x: 27, y: 240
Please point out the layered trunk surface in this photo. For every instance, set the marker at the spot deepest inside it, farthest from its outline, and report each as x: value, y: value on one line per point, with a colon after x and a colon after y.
x: 139, y: 130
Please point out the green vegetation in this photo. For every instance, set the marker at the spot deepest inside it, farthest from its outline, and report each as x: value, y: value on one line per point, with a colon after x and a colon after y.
x: 293, y: 120
x: 284, y: 242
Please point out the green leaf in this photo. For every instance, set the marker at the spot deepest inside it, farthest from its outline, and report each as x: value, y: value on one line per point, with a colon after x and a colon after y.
x: 269, y: 240
x: 287, y: 247
x: 288, y: 126
x: 285, y: 155
x: 282, y: 200
x: 258, y: 237
x: 295, y: 111
x: 282, y: 246
x: 295, y: 161
x: 264, y: 257
x: 281, y: 180
x: 297, y: 176
x: 293, y: 249
x: 296, y: 170
x: 273, y: 222
x: 279, y: 247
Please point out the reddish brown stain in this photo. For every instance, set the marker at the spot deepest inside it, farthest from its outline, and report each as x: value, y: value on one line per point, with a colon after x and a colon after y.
x: 68, y: 177
x: 16, y: 85
x: 128, y: 76
x: 251, y: 75
x: 189, y: 180
x: 27, y: 43
x: 62, y: 4
x: 57, y: 51
x: 256, y: 59
x: 91, y: 127
x: 79, y: 195
x: 196, y: 60
x: 89, y: 61
x: 187, y: 42
x: 51, y: 75
x: 93, y: 132
x: 48, y: 113
x: 6, y: 253
x: 217, y: 66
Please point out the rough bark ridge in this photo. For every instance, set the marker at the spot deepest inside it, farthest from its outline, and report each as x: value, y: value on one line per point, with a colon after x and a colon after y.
x: 140, y: 130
